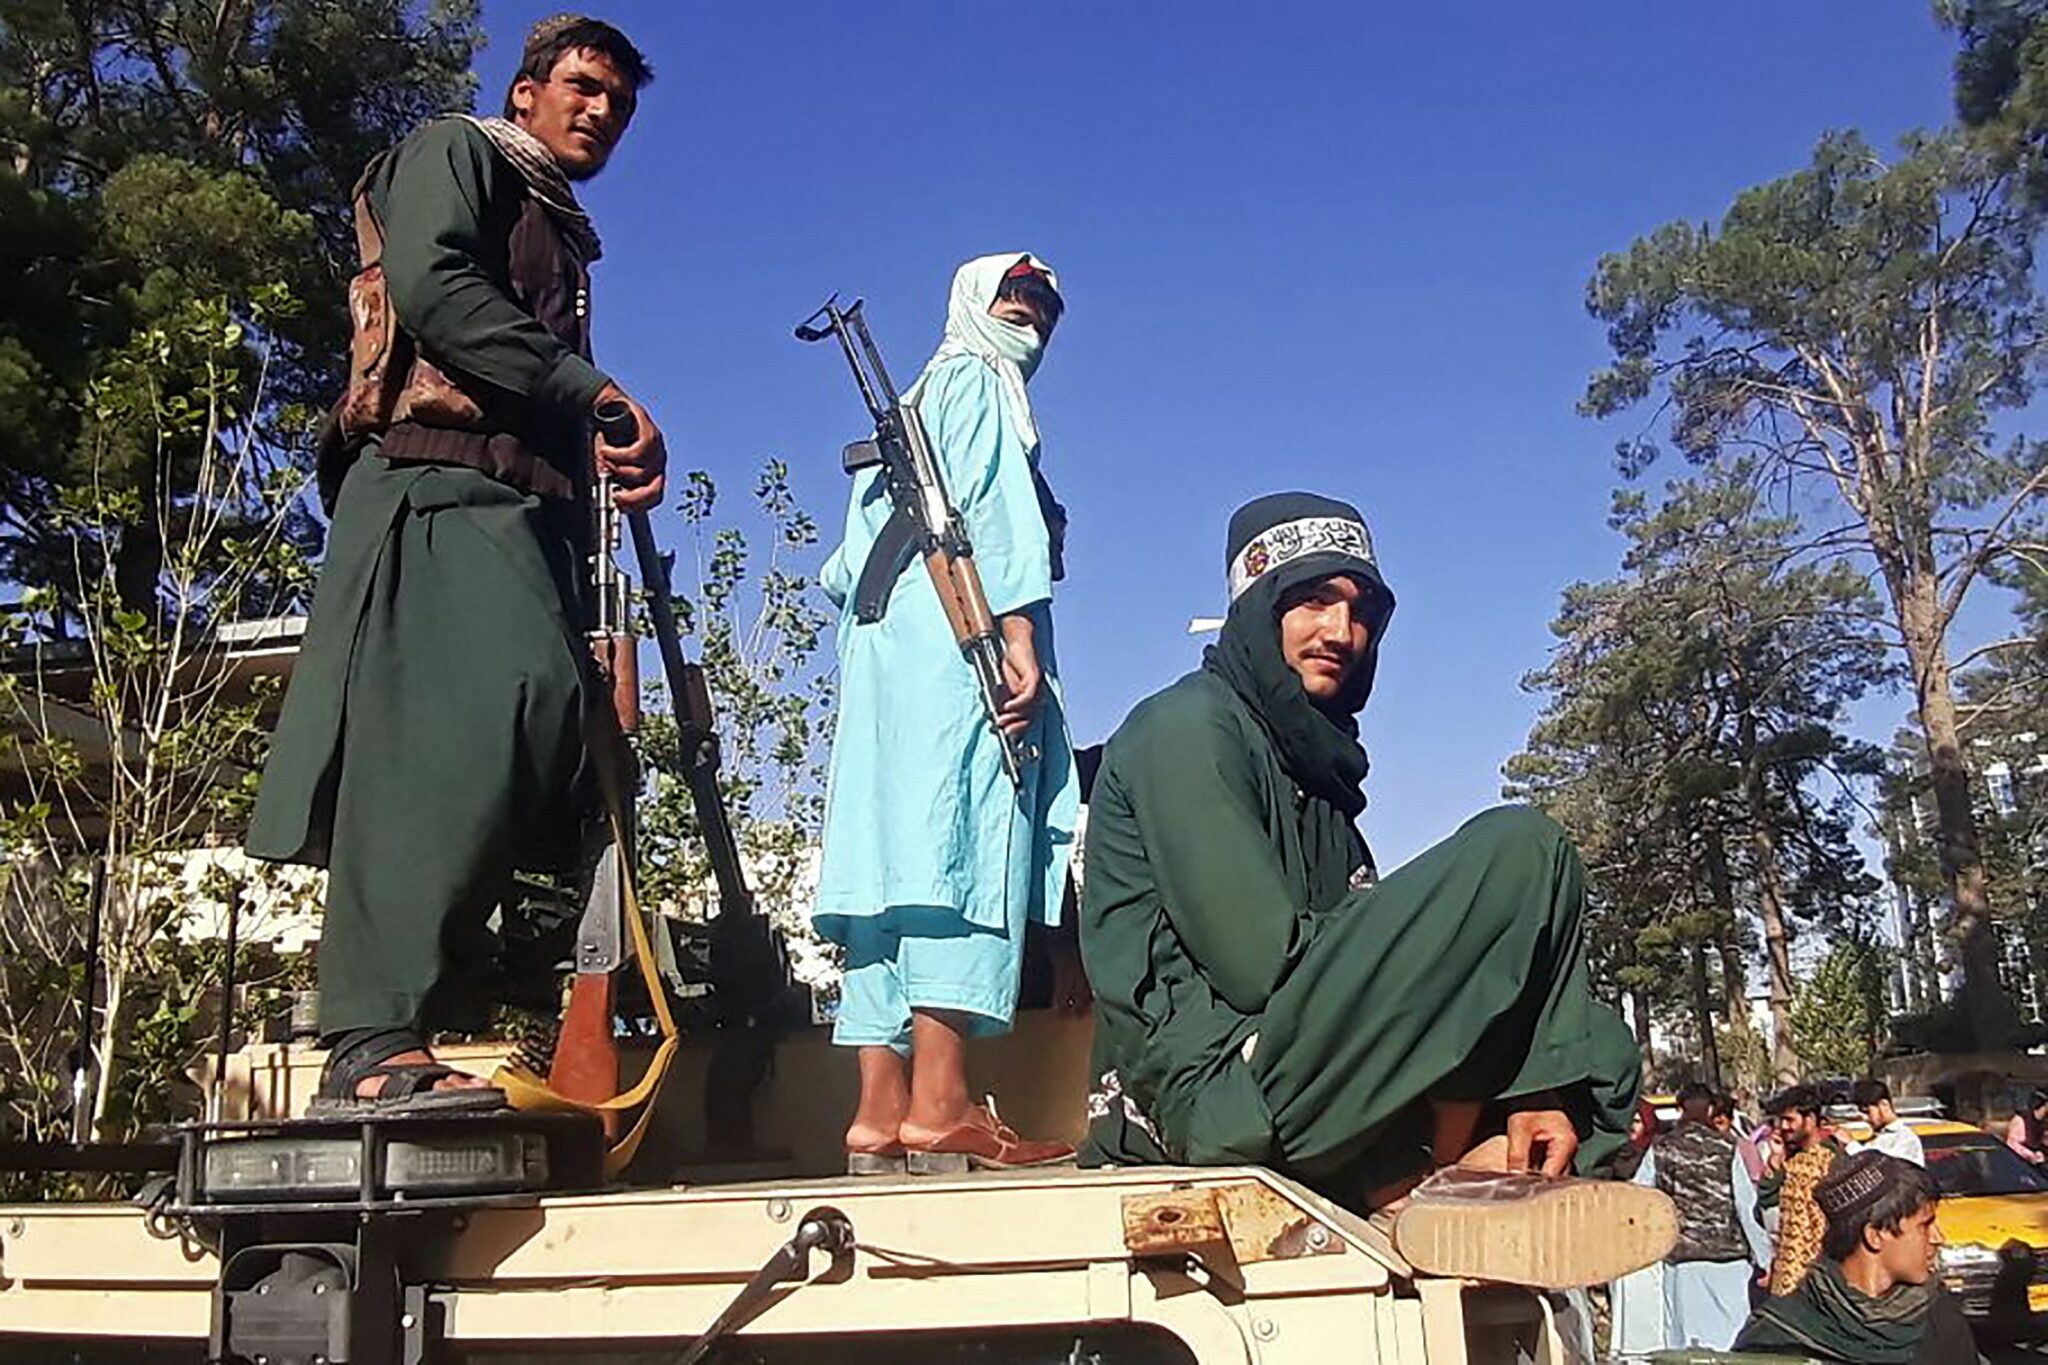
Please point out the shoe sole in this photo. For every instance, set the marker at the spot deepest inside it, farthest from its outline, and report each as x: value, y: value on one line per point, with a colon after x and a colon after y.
x: 960, y: 1163
x: 466, y: 1100
x: 874, y: 1163
x: 1581, y: 1232
x: 936, y: 1163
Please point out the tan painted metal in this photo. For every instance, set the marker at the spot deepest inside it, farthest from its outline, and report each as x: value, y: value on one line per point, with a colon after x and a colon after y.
x: 1038, y: 1073
x: 1292, y: 1278
x: 1273, y: 1273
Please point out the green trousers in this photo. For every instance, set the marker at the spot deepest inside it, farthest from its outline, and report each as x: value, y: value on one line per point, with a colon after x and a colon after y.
x: 1460, y: 976
x: 432, y: 740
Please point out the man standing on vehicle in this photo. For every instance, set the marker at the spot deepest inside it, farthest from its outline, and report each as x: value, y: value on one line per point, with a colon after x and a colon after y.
x: 433, y: 737
x: 1259, y: 999
x: 1803, y: 1150
x: 933, y: 861
x: 1889, y: 1133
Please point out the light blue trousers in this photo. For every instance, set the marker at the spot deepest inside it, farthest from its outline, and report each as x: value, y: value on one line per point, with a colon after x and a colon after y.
x: 921, y: 957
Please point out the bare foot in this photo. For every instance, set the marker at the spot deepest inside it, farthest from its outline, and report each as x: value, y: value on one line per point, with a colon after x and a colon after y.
x: 370, y: 1087
x: 870, y: 1137
x: 928, y: 1127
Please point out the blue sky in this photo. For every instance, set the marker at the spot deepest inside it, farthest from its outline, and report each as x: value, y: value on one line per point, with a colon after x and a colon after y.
x: 1329, y: 246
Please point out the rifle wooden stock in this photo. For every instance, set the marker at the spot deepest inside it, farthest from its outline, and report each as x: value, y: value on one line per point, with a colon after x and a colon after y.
x: 622, y: 668
x: 958, y: 585
x: 586, y: 1065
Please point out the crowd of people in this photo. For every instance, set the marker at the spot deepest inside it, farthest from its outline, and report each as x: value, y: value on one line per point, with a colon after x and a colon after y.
x: 1793, y: 1238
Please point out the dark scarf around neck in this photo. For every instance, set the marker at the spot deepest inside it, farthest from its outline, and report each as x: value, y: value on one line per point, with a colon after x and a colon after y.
x: 1828, y: 1315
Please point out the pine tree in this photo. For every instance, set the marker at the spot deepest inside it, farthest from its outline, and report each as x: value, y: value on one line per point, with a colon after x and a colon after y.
x: 162, y: 154
x: 1692, y: 734
x: 1847, y: 335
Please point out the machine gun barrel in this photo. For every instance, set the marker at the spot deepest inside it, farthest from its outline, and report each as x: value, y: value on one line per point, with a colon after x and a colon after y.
x: 689, y: 693
x: 612, y: 641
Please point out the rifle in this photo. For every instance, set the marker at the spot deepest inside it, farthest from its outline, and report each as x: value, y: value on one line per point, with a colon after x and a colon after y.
x: 585, y: 1062
x: 923, y: 521
x: 753, y: 996
x: 749, y: 964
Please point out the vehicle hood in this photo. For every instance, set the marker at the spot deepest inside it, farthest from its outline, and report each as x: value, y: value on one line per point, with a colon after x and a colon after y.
x: 1992, y: 1220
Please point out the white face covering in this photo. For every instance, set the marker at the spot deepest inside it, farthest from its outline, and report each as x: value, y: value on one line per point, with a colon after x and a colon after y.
x: 1012, y: 341
x: 1011, y: 349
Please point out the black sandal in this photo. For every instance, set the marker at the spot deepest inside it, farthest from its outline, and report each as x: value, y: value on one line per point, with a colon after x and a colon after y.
x: 409, y: 1087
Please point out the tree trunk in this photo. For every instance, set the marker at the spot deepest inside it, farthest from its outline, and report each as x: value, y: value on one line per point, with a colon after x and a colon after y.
x: 109, y: 1037
x: 1710, y: 1047
x: 1734, y: 985
x: 1721, y: 886
x: 117, y: 959
x: 1926, y: 970
x: 1763, y: 840
x: 1992, y: 1018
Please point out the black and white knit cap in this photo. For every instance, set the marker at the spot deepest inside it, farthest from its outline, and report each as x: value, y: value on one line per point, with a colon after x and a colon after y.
x: 1855, y: 1184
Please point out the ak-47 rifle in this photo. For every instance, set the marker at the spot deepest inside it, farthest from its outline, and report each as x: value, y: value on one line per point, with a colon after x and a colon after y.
x: 923, y: 521
x: 585, y: 1060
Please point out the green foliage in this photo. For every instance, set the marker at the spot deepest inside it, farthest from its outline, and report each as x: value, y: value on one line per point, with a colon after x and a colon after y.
x: 1745, y: 1059
x: 2001, y: 82
x: 1692, y: 740
x: 161, y: 155
x: 1845, y: 339
x: 131, y: 740
x: 1842, y: 1012
x: 757, y: 629
x: 174, y: 227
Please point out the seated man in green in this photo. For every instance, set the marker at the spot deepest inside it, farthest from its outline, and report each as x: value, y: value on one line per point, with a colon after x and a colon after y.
x: 1872, y: 1297
x: 1261, y: 998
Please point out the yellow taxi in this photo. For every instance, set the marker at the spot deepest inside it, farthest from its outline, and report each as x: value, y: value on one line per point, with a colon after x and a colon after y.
x: 1993, y: 1219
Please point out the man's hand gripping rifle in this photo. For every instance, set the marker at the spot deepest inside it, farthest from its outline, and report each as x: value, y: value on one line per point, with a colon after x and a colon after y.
x: 749, y: 965
x: 923, y: 521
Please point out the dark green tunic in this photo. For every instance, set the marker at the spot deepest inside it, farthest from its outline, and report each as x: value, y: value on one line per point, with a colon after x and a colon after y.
x: 1259, y: 1000
x: 432, y: 737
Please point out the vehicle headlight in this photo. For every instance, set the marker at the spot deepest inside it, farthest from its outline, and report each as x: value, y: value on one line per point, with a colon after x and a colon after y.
x: 1969, y: 1256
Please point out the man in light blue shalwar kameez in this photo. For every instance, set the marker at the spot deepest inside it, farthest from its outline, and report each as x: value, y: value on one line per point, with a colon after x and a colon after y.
x: 933, y: 861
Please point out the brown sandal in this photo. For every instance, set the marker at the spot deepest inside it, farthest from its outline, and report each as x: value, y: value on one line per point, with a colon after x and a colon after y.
x: 981, y: 1142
